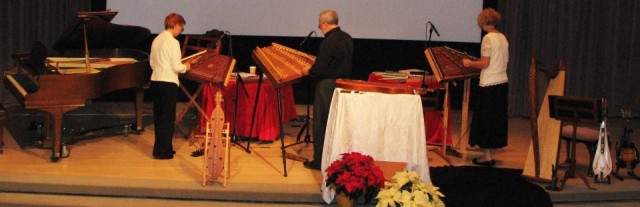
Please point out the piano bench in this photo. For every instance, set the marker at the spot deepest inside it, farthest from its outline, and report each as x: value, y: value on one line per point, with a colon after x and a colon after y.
x: 3, y: 117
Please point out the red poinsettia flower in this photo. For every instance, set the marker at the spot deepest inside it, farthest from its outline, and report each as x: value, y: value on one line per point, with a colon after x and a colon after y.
x: 356, y: 175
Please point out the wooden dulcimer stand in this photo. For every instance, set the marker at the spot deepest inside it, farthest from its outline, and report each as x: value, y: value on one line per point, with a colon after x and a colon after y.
x: 216, y: 146
x: 283, y: 66
x: 446, y: 64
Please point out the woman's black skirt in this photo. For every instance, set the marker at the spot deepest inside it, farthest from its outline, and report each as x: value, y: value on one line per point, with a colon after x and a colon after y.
x: 490, y: 123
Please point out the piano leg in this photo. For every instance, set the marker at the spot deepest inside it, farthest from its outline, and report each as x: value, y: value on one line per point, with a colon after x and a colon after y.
x: 57, y: 150
x: 139, y: 99
x: 3, y: 116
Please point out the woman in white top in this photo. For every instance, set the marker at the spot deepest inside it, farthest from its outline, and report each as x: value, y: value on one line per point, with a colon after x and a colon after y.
x: 166, y: 63
x: 489, y: 126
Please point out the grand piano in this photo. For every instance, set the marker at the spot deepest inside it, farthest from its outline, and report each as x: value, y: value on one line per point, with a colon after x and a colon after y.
x: 86, y: 63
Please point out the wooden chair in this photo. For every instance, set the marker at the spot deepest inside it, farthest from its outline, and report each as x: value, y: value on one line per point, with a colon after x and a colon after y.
x: 576, y: 112
x: 433, y: 101
x: 196, y: 43
x: 585, y: 135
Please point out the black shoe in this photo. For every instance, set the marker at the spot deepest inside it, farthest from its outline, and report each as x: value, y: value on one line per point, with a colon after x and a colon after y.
x: 173, y: 152
x: 488, y: 163
x: 264, y: 142
x: 310, y: 165
x: 198, y: 152
x: 163, y: 157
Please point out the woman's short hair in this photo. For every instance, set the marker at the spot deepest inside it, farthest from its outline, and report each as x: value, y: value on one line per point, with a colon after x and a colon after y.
x: 172, y: 20
x: 489, y: 16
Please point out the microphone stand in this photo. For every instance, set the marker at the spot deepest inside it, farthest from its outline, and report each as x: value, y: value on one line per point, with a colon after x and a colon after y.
x: 239, y: 82
x: 427, y: 43
x: 305, y: 126
x: 426, y: 46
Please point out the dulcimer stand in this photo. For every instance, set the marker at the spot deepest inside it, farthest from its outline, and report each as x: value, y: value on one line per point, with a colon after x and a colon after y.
x: 213, y: 83
x: 280, y: 114
x: 281, y: 134
x: 192, y: 103
x: 576, y: 110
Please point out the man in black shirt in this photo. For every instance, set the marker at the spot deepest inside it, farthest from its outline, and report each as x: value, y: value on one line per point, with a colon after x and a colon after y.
x: 333, y: 61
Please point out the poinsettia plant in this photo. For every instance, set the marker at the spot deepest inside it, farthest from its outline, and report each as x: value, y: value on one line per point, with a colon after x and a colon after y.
x: 407, y: 189
x: 355, y: 175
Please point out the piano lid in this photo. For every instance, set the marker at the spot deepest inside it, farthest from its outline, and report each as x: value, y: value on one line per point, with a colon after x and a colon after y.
x: 101, y: 33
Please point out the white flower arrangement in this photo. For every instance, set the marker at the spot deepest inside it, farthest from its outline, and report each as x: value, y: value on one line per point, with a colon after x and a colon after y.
x: 408, y: 190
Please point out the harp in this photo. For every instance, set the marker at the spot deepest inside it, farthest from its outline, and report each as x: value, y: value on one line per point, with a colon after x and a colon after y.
x: 545, y: 131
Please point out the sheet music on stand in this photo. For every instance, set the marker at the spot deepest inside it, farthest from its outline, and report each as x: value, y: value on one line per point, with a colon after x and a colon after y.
x: 193, y: 55
x: 107, y: 15
x: 246, y: 77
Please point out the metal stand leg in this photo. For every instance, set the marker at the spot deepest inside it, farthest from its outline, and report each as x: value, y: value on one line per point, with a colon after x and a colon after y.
x: 281, y: 135
x: 305, y: 127
x: 235, y: 138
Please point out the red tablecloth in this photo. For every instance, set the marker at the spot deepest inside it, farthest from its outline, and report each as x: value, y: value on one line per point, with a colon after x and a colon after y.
x: 266, y: 124
x: 433, y: 122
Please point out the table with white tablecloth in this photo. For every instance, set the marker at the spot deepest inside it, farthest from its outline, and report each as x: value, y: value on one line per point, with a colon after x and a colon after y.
x: 388, y: 127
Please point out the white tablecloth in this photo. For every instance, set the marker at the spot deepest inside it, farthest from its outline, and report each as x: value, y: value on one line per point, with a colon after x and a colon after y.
x: 388, y: 127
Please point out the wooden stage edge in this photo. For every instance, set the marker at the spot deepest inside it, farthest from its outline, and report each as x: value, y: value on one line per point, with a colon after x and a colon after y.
x: 118, y: 169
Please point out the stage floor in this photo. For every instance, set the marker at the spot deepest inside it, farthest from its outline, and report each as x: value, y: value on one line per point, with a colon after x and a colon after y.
x: 116, y: 170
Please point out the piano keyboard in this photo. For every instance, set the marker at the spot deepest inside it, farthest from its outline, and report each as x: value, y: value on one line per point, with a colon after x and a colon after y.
x: 24, y: 83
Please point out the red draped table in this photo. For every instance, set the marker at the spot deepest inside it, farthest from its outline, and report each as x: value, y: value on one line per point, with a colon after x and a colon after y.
x: 266, y: 124
x: 433, y: 122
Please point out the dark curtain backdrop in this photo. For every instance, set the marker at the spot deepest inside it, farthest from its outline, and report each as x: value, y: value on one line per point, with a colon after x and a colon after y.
x: 599, y: 39
x: 25, y: 21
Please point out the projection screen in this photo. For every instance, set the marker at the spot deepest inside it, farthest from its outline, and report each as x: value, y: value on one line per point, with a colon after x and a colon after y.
x: 455, y: 20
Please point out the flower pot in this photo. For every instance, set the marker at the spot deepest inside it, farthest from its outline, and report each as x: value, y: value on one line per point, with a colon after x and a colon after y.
x: 345, y: 201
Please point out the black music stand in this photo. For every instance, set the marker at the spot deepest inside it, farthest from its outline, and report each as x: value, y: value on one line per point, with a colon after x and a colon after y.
x: 239, y: 83
x: 253, y: 113
x: 577, y: 110
x: 306, y: 126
